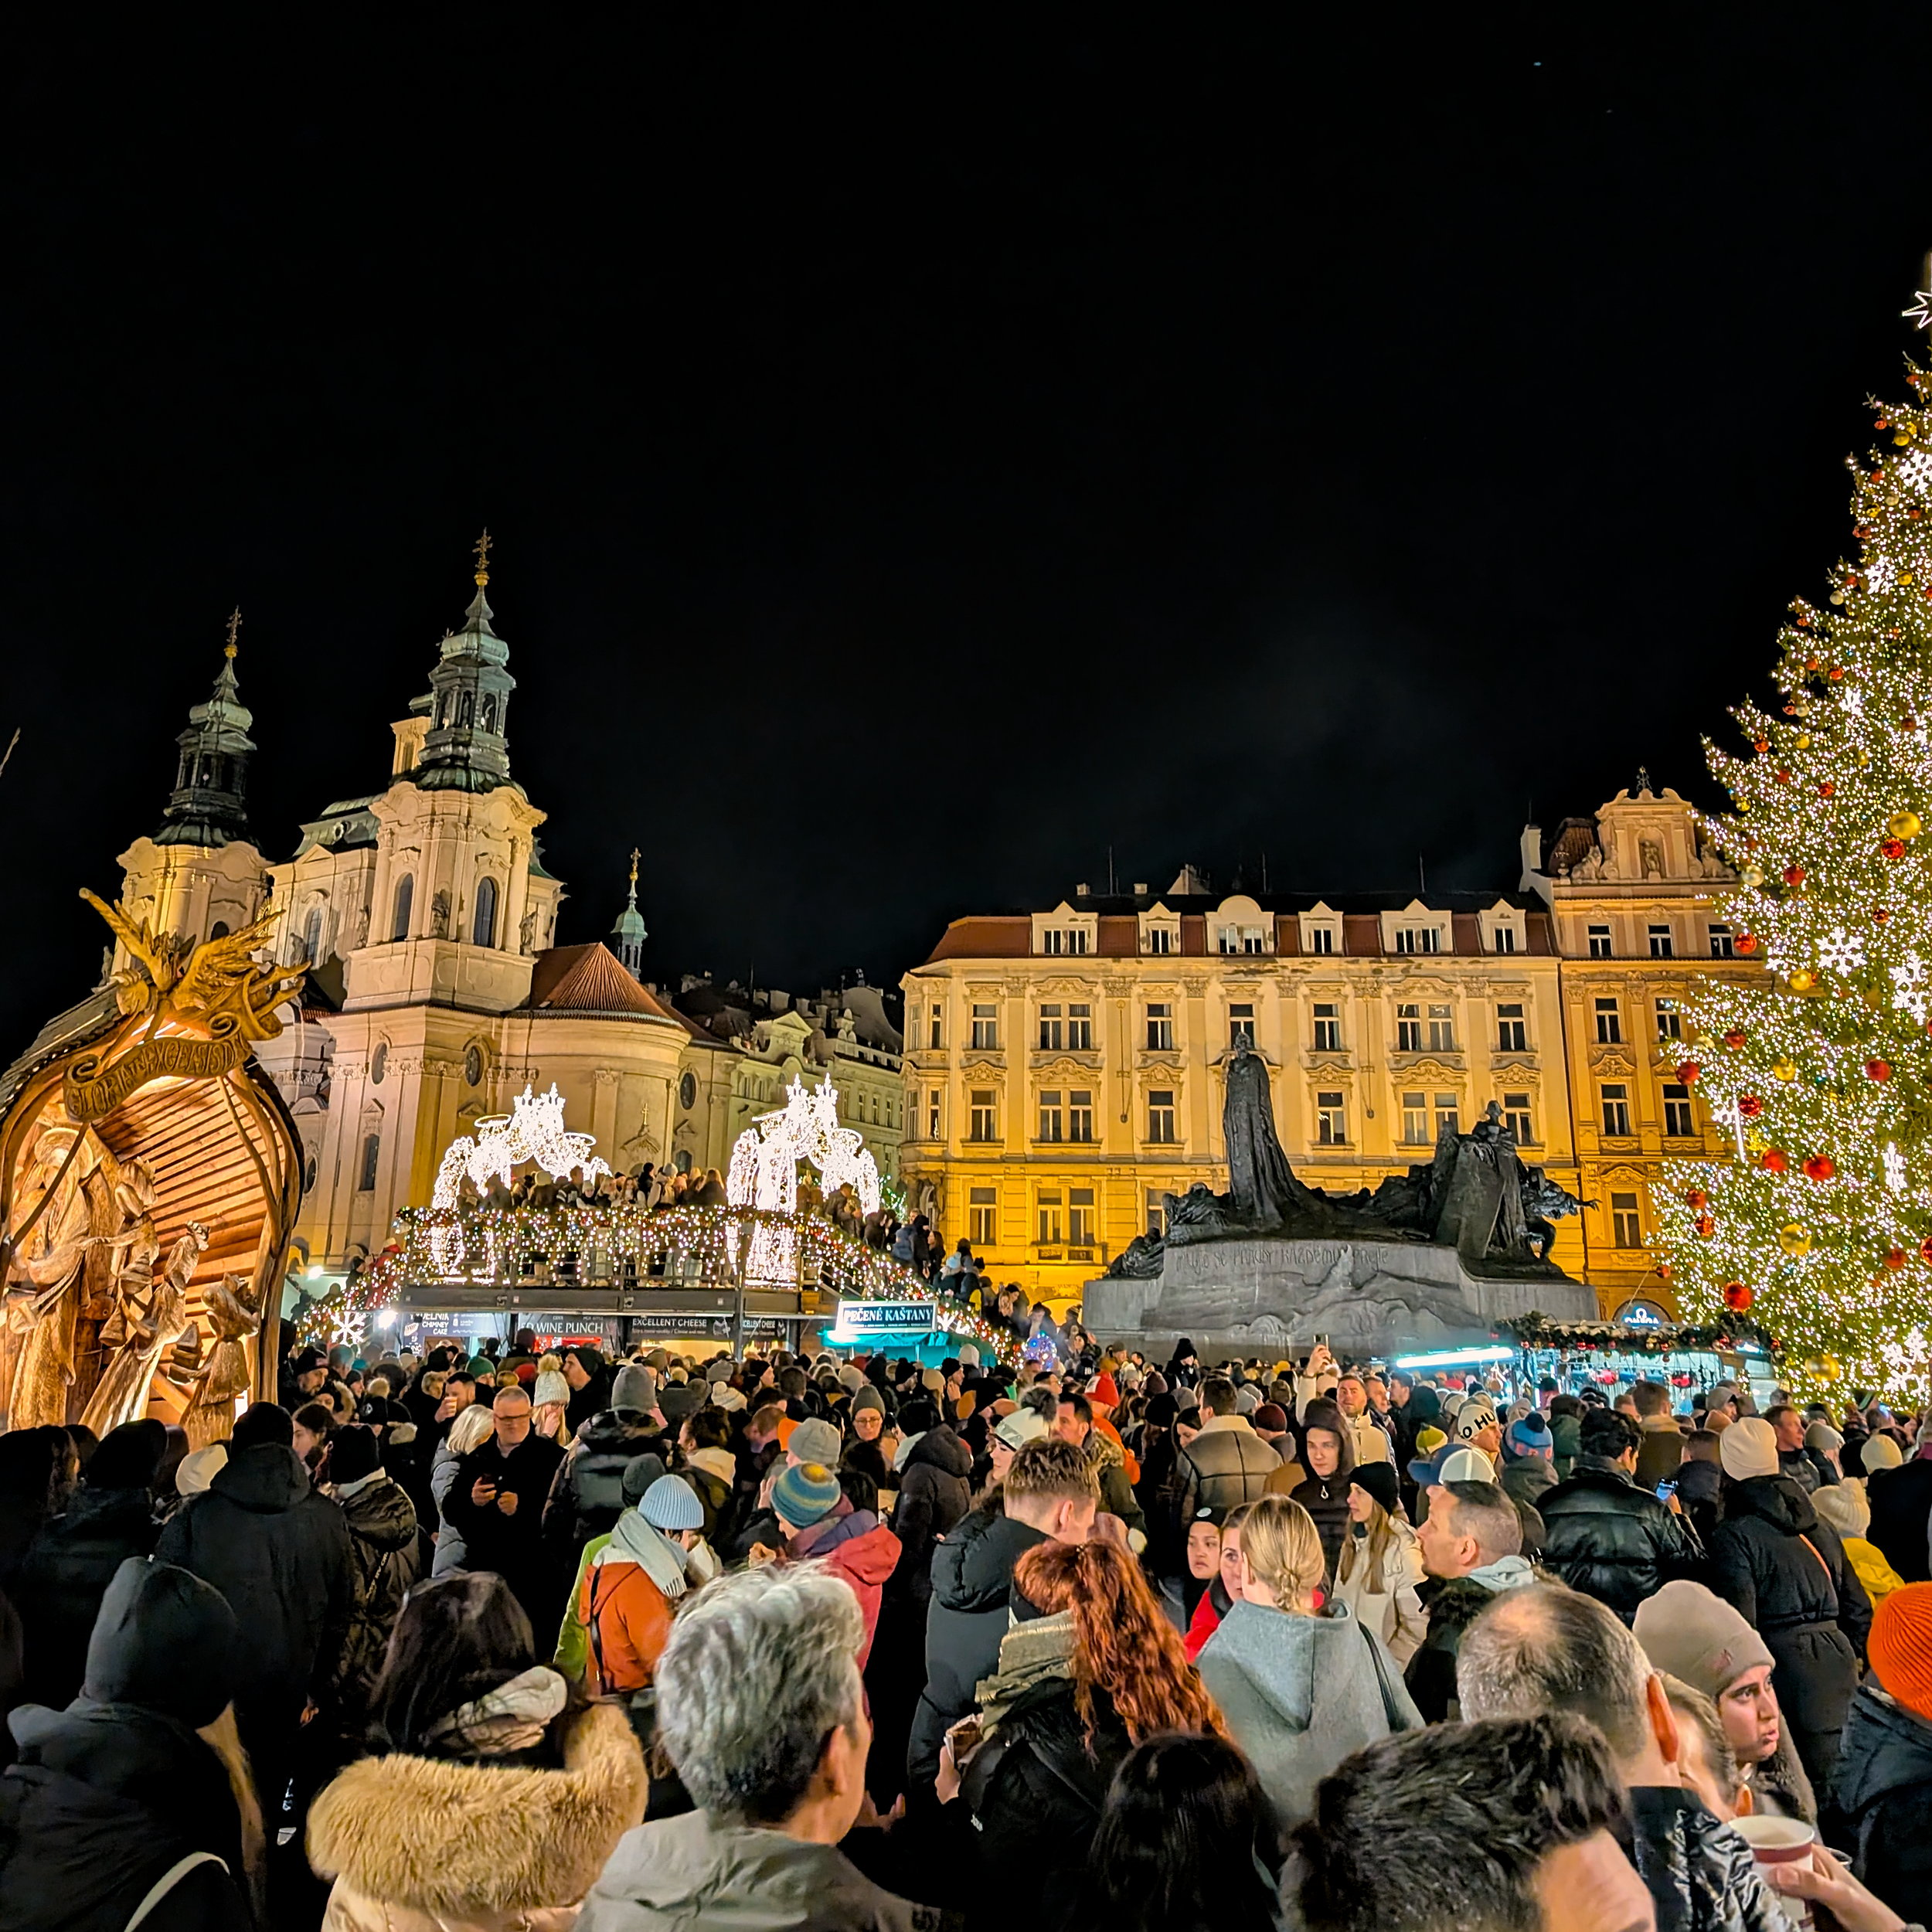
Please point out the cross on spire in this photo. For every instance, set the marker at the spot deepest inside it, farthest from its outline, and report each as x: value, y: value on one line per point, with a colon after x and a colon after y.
x: 482, y: 548
x: 234, y: 627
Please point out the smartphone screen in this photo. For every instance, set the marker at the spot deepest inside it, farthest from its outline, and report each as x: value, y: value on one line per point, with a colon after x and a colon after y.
x: 1665, y: 1491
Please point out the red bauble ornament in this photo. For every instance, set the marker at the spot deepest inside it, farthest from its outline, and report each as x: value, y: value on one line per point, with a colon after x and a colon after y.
x: 1749, y: 1106
x: 1783, y: 777
x: 1895, y: 1257
x: 1836, y: 674
x: 1737, y: 1297
x: 1925, y: 1249
x: 1880, y: 916
x: 1877, y: 1070
x: 1820, y: 1167
x: 1761, y: 744
x: 1747, y: 942
x: 1892, y: 848
x: 1663, y: 1270
x: 1705, y: 1226
x: 1828, y: 790
x: 1734, y: 1039
x: 1695, y: 1199
x: 1811, y: 664
x: 1795, y: 876
x: 1774, y: 1160
x: 1689, y: 1071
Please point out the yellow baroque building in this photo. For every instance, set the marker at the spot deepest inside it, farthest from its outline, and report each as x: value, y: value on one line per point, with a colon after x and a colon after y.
x: 1062, y: 1068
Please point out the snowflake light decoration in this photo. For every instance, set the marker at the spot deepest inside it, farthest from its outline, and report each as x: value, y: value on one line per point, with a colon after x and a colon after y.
x: 1915, y: 471
x: 1912, y: 987
x: 347, y: 1328
x: 1842, y: 952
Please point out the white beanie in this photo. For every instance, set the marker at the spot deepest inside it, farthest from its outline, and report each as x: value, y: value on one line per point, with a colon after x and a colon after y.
x: 1748, y: 1448
x: 550, y: 1387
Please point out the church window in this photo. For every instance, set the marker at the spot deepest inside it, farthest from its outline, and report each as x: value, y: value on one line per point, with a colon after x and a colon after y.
x: 465, y: 709
x: 379, y: 1062
x: 473, y: 1066
x: 372, y: 1152
x: 484, y: 934
x: 489, y: 713
x: 1331, y: 1121
x: 687, y: 1090
x: 311, y: 1173
x: 405, y: 895
x: 312, y: 935
x: 219, y: 929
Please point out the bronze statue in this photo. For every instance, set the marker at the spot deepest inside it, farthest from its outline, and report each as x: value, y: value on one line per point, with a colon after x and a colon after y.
x: 1263, y: 1192
x: 150, y: 1326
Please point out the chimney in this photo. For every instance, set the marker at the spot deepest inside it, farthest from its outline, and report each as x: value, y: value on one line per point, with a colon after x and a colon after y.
x: 1140, y: 889
x: 1082, y: 890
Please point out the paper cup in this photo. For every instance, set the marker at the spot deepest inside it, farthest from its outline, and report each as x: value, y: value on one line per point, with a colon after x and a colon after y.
x: 1776, y: 1841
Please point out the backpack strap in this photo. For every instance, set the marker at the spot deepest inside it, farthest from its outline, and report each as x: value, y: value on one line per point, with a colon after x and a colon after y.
x: 169, y: 1880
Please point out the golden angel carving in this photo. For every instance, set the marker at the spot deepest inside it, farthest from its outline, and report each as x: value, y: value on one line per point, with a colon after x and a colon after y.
x: 218, y: 986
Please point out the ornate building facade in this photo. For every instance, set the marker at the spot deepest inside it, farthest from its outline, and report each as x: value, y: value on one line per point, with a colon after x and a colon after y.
x: 1063, y: 1068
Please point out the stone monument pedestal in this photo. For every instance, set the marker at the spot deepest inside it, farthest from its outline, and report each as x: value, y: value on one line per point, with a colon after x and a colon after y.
x: 1263, y: 1294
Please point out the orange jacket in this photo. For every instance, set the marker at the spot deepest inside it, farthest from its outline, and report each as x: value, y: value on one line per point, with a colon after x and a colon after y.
x: 628, y: 1620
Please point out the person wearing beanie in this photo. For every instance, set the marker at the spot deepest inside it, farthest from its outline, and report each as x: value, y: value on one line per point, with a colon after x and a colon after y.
x: 634, y: 1388
x: 1380, y: 1566
x: 74, y: 1556
x: 550, y: 1401
x: 724, y: 1396
x: 277, y: 1549
x: 1845, y: 1507
x: 1528, y: 1472
x: 1880, y: 1452
x: 935, y: 1491
x: 1901, y: 1500
x: 1883, y: 1787
x: 815, y: 1440
x: 851, y: 1378
x: 1786, y: 1573
x: 1270, y: 1423
x: 117, y: 1789
x: 198, y: 1468
x: 819, y: 1523
x: 385, y: 1562
x: 588, y: 1497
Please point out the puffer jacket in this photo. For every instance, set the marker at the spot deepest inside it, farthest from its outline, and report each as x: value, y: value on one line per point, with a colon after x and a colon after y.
x: 1610, y: 1540
x: 64, y: 1574
x: 1326, y: 1500
x: 1225, y: 1465
x: 587, y: 1495
x: 935, y: 1491
x: 384, y: 1563
x: 1901, y: 1501
x: 1806, y: 1602
x: 861, y: 1550
x: 1699, y: 1873
x: 1394, y: 1612
x: 1884, y: 1790
x: 422, y: 1845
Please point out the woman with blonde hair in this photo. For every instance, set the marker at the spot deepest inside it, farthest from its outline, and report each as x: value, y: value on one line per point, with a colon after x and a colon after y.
x: 1302, y: 1687
x: 470, y: 1430
x: 1380, y: 1564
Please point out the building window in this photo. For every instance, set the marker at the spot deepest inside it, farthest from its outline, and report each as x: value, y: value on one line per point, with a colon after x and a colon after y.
x: 1080, y: 1114
x: 1415, y: 1120
x: 1160, y: 1027
x: 1679, y: 1122
x: 1515, y: 1118
x: 484, y: 929
x: 473, y: 1066
x: 1616, y: 1097
x: 933, y: 1114
x: 1079, y: 1216
x: 1241, y: 1024
x: 1626, y: 1227
x: 1157, y: 1213
x: 1160, y: 1117
x: 1064, y: 940
x: 983, y: 1119
x: 1328, y: 1027
x: 1052, y: 1029
x: 378, y: 1062
x: 1610, y: 1023
x: 1442, y: 1029
x: 1670, y: 1022
x: 489, y: 714
x: 936, y: 1038
x: 1409, y: 1028
x: 1415, y: 939
x: 1159, y: 939
x: 1447, y: 1120
x: 1331, y: 1121
x: 405, y: 897
x: 1079, y: 1028
x: 687, y: 1090
x: 1051, y: 1226
x: 1660, y: 942
x: 372, y: 1152
x: 1721, y: 945
x: 1600, y: 942
x: 1321, y: 939
x: 982, y: 1211
x: 986, y: 1028
x: 1243, y: 939
x: 1051, y: 1119
x: 1503, y: 939
x: 1512, y: 1032
x: 312, y: 935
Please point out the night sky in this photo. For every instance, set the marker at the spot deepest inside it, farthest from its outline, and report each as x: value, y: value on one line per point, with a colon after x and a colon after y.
x: 923, y: 452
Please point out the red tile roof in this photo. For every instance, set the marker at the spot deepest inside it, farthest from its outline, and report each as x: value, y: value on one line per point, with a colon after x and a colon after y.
x: 590, y: 979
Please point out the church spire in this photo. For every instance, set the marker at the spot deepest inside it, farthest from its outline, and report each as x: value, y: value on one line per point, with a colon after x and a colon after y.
x: 208, y: 804
x: 627, y: 936
x: 467, y: 748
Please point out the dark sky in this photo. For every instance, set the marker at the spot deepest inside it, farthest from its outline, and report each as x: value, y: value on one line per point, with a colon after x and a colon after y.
x: 926, y: 447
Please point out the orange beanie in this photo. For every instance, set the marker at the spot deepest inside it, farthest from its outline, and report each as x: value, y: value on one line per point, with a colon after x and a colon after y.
x: 1900, y: 1646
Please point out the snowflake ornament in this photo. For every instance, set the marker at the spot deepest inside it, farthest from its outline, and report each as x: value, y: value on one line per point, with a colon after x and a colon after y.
x: 347, y: 1328
x: 1842, y: 952
x: 1912, y: 987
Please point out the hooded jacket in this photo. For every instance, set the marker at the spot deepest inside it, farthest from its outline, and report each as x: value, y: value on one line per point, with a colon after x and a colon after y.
x: 1299, y: 1694
x: 863, y: 1551
x: 1454, y: 1604
x: 1610, y: 1540
x: 1108, y: 1456
x: 1700, y: 1874
x: 66, y: 1570
x: 679, y: 1873
x: 966, y: 1617
x: 935, y: 1491
x: 279, y: 1552
x: 1884, y: 1791
x: 384, y: 1562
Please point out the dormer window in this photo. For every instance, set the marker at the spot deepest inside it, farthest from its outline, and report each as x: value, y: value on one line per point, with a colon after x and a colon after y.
x: 1239, y: 926
x: 1415, y: 939
x: 1064, y: 933
x: 1063, y: 939
x: 1321, y: 930
x: 1503, y: 930
x: 1417, y: 929
x: 1160, y: 931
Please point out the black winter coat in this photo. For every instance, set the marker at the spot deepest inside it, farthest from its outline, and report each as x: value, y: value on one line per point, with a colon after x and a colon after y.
x: 511, y: 1545
x: 67, y: 1571
x: 1612, y: 1540
x: 1454, y: 1604
x: 385, y: 1560
x: 1884, y: 1790
x: 1807, y: 1604
x: 1326, y: 1499
x: 1901, y: 1501
x: 279, y: 1552
x: 1700, y: 1873
x: 586, y: 1496
x: 103, y: 1799
x: 935, y: 1491
x: 972, y: 1580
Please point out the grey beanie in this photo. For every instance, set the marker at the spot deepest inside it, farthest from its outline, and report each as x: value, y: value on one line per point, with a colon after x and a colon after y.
x: 867, y: 1397
x: 634, y: 1387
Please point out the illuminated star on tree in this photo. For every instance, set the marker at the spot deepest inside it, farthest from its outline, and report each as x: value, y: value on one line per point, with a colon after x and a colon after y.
x: 1920, y: 314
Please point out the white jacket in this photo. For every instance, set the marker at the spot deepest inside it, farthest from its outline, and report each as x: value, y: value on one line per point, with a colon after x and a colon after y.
x: 1394, y: 1612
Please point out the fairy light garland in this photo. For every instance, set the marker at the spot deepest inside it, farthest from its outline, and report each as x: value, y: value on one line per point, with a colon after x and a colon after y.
x: 1821, y: 1227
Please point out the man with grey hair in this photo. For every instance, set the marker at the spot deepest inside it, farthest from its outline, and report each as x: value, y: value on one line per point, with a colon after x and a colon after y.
x: 1546, y: 1650
x: 760, y: 1708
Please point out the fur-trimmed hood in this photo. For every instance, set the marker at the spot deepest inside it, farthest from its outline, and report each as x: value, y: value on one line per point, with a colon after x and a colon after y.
x: 476, y: 1842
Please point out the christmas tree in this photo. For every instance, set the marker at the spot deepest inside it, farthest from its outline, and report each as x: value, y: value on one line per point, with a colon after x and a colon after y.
x: 1821, y: 1228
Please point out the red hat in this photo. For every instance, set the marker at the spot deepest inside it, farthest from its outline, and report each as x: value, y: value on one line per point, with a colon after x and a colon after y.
x: 1900, y: 1646
x: 526, y: 1373
x: 1103, y: 1390
x: 1271, y: 1417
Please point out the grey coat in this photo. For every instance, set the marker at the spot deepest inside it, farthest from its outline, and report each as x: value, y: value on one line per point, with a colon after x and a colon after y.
x: 1299, y: 1694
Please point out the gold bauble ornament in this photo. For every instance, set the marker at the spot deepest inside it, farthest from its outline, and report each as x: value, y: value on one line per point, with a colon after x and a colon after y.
x: 1905, y: 823
x: 1803, y: 741
x: 1784, y: 1070
x: 1752, y: 876
x: 1803, y: 980
x: 1794, y: 1238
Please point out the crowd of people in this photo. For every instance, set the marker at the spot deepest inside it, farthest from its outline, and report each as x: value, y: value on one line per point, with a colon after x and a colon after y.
x: 538, y: 1640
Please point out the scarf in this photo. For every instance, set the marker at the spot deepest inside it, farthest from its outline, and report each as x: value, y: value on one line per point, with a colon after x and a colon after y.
x: 511, y: 1717
x: 1029, y: 1654
x: 635, y: 1541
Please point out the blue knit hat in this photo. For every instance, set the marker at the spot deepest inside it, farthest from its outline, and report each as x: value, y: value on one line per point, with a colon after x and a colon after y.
x: 806, y: 1493
x: 1530, y: 1437
x: 670, y: 1505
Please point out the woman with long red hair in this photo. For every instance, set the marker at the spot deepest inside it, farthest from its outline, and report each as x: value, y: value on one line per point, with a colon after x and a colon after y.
x: 1092, y: 1667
